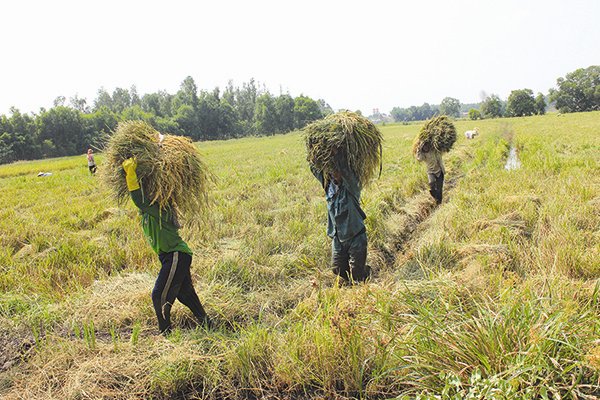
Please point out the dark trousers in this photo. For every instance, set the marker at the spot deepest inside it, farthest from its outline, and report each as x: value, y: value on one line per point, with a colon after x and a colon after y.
x: 92, y: 169
x: 349, y: 258
x: 175, y: 282
x: 436, y: 185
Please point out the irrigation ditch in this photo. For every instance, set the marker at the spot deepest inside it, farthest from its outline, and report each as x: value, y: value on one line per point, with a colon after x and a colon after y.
x: 512, y: 158
x: 512, y: 161
x: 406, y: 224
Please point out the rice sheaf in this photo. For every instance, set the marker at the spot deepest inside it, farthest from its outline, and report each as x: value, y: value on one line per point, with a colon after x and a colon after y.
x: 169, y: 168
x: 345, y: 136
x: 439, y: 132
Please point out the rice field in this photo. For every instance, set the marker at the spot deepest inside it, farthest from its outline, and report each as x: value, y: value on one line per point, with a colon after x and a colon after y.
x: 492, y: 295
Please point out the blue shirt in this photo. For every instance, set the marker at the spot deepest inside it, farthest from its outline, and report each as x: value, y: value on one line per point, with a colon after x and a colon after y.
x: 345, y: 218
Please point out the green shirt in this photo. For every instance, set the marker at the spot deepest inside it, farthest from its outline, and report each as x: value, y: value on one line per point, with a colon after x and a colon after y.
x: 160, y: 226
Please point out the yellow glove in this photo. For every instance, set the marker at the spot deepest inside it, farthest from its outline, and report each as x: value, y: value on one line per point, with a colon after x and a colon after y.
x: 130, y: 166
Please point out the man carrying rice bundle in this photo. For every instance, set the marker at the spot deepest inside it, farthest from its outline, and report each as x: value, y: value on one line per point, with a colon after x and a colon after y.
x: 436, y: 136
x: 435, y: 170
x: 344, y: 149
x: 160, y: 222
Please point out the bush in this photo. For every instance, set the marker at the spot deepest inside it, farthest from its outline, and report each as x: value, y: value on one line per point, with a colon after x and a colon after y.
x: 474, y: 114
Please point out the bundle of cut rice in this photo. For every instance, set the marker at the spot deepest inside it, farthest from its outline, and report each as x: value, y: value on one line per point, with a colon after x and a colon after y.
x: 344, y: 137
x: 439, y: 133
x: 169, y: 168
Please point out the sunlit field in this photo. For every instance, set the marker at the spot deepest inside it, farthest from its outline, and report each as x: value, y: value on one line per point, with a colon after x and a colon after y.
x: 492, y: 295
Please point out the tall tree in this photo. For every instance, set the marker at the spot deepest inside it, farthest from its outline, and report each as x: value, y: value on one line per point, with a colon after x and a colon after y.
x: 424, y: 112
x: 540, y: 104
x: 121, y: 99
x: 284, y: 110
x: 159, y: 103
x: 229, y: 93
x: 150, y: 102
x: 65, y: 127
x: 79, y: 104
x: 306, y: 110
x: 265, y: 115
x: 103, y: 99
x: 209, y: 105
x: 187, y: 94
x: 520, y: 103
x: 399, y: 114
x: 59, y: 101
x: 135, y: 98
x: 187, y: 121
x: 227, y: 120
x: 246, y: 101
x: 491, y: 107
x: 474, y: 114
x: 450, y: 106
x: 100, y: 122
x: 165, y: 103
x: 578, y: 90
x: 324, y: 107
x: 136, y: 113
x: 6, y: 147
x: 19, y: 137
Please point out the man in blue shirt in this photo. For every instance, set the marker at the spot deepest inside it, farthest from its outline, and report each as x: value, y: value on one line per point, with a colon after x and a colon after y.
x: 345, y: 223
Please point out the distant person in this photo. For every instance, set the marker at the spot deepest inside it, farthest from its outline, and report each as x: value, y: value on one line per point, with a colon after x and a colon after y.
x: 472, y: 133
x: 435, y: 169
x: 174, y: 279
x: 91, y: 162
x: 345, y: 223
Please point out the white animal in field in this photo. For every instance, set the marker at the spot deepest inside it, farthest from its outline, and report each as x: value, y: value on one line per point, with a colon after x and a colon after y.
x: 471, y: 134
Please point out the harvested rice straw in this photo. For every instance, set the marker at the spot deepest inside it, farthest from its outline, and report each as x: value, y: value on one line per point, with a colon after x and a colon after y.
x: 171, y: 172
x: 439, y: 132
x: 345, y: 137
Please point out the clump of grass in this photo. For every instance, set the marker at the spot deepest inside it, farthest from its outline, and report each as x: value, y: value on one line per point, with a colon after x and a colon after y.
x: 169, y: 168
x: 438, y: 133
x: 344, y: 137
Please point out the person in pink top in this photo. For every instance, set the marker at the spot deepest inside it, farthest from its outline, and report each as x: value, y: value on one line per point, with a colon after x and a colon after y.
x: 91, y: 162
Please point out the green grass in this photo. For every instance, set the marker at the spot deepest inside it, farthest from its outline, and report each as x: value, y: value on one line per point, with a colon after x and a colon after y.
x: 493, y: 294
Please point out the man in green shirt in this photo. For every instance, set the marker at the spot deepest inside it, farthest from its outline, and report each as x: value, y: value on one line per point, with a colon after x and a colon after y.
x: 174, y: 279
x: 345, y: 223
x: 435, y: 170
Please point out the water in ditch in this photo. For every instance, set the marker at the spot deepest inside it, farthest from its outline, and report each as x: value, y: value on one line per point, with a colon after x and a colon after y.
x: 512, y: 162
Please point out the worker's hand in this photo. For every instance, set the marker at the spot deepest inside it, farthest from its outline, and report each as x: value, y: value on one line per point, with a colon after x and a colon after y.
x: 129, y: 166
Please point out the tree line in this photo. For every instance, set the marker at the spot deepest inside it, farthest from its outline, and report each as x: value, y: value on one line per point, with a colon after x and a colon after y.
x: 577, y: 91
x: 71, y: 126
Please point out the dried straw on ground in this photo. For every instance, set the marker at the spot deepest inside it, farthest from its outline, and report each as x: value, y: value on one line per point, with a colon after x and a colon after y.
x: 438, y: 132
x: 344, y: 137
x: 171, y: 172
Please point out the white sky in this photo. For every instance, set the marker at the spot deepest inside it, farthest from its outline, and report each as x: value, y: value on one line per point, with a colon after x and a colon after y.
x: 354, y: 54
